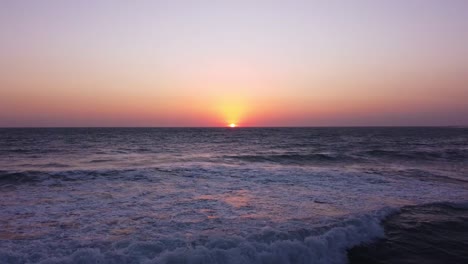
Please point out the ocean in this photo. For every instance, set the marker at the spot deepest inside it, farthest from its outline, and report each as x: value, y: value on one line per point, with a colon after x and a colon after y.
x: 234, y: 195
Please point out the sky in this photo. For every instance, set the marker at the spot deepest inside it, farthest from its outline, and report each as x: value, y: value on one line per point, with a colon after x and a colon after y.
x: 254, y: 63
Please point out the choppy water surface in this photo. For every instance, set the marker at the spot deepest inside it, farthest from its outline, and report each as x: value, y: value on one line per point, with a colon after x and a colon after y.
x: 244, y: 195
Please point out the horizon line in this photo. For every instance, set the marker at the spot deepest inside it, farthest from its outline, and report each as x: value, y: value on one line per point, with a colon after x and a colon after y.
x: 240, y: 127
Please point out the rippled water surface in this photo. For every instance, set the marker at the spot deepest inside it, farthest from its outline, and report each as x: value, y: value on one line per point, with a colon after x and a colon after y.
x: 217, y: 195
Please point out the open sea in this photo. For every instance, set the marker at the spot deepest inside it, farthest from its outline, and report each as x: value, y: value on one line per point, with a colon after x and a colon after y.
x: 242, y: 195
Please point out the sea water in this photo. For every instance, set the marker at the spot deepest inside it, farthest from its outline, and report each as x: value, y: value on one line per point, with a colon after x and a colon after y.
x: 227, y: 195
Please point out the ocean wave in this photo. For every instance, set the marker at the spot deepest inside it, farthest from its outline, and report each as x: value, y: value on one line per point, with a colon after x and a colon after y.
x: 424, y: 175
x: 268, y: 246
x: 32, y: 176
x: 290, y: 158
x: 418, y: 155
x: 352, y: 156
x: 20, y: 176
x: 428, y: 233
x: 326, y: 248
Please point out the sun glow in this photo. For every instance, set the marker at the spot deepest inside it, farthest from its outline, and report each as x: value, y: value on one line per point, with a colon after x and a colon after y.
x: 232, y: 125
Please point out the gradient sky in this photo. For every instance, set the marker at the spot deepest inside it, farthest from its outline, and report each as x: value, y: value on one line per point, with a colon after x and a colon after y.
x: 255, y: 63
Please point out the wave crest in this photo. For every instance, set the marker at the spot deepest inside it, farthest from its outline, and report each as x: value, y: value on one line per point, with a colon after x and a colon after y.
x: 329, y: 247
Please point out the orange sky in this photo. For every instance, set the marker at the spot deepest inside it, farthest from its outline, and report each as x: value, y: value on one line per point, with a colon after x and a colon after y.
x: 251, y: 63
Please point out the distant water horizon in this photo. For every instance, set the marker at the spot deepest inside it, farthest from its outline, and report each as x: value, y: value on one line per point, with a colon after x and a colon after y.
x: 233, y: 195
x: 238, y: 127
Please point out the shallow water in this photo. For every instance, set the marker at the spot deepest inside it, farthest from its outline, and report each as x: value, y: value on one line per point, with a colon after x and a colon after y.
x: 244, y: 195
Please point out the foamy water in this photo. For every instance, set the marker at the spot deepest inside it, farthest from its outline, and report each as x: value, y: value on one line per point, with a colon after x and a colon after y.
x: 216, y: 195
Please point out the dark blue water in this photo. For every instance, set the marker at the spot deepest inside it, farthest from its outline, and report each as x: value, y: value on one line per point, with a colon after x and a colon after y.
x: 430, y: 233
x: 222, y: 195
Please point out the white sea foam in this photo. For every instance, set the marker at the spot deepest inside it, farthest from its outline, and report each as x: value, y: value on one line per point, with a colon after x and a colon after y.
x: 203, y: 213
x: 328, y: 247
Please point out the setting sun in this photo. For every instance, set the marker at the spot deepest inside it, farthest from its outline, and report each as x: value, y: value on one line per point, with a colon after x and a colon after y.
x: 232, y: 125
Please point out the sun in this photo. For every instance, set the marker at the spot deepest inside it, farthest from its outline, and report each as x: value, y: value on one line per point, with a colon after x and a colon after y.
x: 232, y: 125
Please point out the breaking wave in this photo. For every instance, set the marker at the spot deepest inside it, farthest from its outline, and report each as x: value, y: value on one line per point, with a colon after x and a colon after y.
x: 328, y: 246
